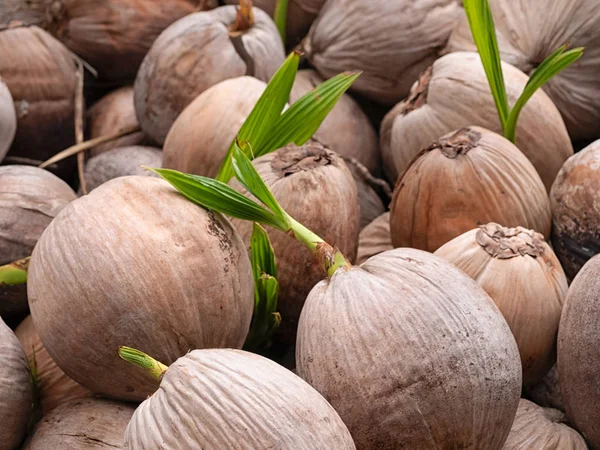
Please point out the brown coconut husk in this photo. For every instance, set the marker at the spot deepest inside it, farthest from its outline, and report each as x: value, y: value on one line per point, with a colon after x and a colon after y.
x: 8, y: 119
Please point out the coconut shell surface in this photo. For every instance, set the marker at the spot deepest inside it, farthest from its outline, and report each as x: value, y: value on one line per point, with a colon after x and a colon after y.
x: 391, y: 42
x: 405, y: 347
x: 521, y: 273
x: 15, y: 390
x: 315, y: 187
x: 223, y: 398
x: 455, y: 93
x: 579, y: 352
x: 575, y: 209
x: 85, y: 424
x: 53, y: 385
x: 200, y: 137
x: 374, y: 239
x: 467, y: 178
x: 8, y: 119
x: 526, y: 38
x: 139, y: 265
x: 195, y: 53
x: 542, y: 428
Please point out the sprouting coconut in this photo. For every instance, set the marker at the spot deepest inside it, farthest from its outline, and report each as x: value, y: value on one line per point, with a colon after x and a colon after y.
x: 135, y: 250
x: 466, y: 178
x: 374, y: 239
x: 8, y: 119
x: 197, y: 52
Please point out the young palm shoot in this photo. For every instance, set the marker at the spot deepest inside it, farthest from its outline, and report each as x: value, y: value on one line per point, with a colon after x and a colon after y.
x: 483, y: 30
x: 14, y: 273
x: 280, y: 17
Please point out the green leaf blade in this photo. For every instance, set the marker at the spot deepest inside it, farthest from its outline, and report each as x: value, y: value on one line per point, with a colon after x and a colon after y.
x: 262, y: 253
x: 280, y: 17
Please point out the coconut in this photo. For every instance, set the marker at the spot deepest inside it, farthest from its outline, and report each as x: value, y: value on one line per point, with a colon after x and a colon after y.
x: 467, y: 178
x: 8, y: 119
x: 54, y: 387
x: 525, y: 39
x: 405, y: 347
x: 197, y: 52
x: 120, y: 162
x: 579, y: 352
x: 41, y: 75
x: 455, y: 93
x: 138, y: 264
x: 113, y: 112
x: 575, y: 209
x: 239, y: 400
x: 391, y: 42
x: 84, y: 424
x: 314, y: 186
x: 15, y: 390
x: 542, y: 428
x: 374, y: 239
x: 204, y: 131
x: 521, y: 273
x: 369, y: 201
x: 546, y: 393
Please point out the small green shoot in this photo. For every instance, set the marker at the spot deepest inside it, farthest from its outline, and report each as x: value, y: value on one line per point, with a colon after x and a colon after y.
x: 138, y: 358
x: 14, y: 273
x: 280, y: 17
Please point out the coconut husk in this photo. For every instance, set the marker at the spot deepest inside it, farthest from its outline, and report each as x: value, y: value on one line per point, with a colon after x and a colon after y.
x: 8, y: 119
x: 546, y: 393
x: 374, y: 239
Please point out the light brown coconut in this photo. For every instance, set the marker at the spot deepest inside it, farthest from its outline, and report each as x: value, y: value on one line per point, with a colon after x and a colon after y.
x: 237, y: 400
x: 54, y: 387
x: 15, y: 390
x: 521, y: 273
x: 315, y: 187
x: 139, y: 265
x: 113, y: 112
x: 40, y: 74
x: 579, y: 352
x: 467, y: 178
x: 526, y: 38
x: 412, y: 354
x: 84, y: 424
x: 576, y: 210
x: 546, y: 393
x: 542, y: 429
x: 121, y: 162
x: 195, y: 53
x: 455, y: 93
x: 374, y: 239
x: 391, y: 42
x: 204, y: 131
x: 8, y: 119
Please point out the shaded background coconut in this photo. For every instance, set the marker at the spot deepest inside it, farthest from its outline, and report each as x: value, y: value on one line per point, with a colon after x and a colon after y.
x: 8, y: 119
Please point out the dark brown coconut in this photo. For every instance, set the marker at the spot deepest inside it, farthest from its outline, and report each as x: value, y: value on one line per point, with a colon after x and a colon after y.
x: 204, y: 131
x: 85, y: 424
x: 546, y: 393
x: 370, y: 203
x: 121, y: 162
x: 374, y: 239
x: 195, y: 53
x: 467, y: 178
x: 8, y: 119
x: 40, y: 73
x: 139, y: 265
x: 315, y: 187
x: 576, y: 210
x: 113, y: 112
x: 15, y: 390
x: 579, y: 352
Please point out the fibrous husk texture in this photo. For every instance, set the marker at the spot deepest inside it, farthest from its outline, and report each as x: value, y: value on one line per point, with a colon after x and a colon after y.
x: 576, y: 210
x: 469, y: 177
x: 546, y: 393
x: 521, y: 273
x: 195, y: 53
x: 40, y: 74
x: 139, y: 265
x: 203, y: 132
x: 579, y: 352
x: 412, y: 354
x: 85, y: 424
x: 455, y: 93
x: 391, y: 42
x: 113, y: 112
x: 54, y: 387
x: 223, y: 398
x: 375, y: 238
x: 8, y: 119
x: 15, y: 390
x: 121, y: 162
x: 526, y: 38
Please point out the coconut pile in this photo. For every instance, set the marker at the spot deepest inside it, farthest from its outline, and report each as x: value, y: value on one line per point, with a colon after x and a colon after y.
x: 433, y: 279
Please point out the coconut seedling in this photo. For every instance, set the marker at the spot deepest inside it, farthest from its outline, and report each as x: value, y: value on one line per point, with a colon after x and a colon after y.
x: 521, y: 273
x: 238, y: 400
x: 469, y: 177
x: 374, y: 239
x: 197, y: 52
x: 8, y: 119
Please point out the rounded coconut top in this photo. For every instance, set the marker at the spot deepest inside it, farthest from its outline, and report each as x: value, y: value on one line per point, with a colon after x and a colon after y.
x: 504, y: 242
